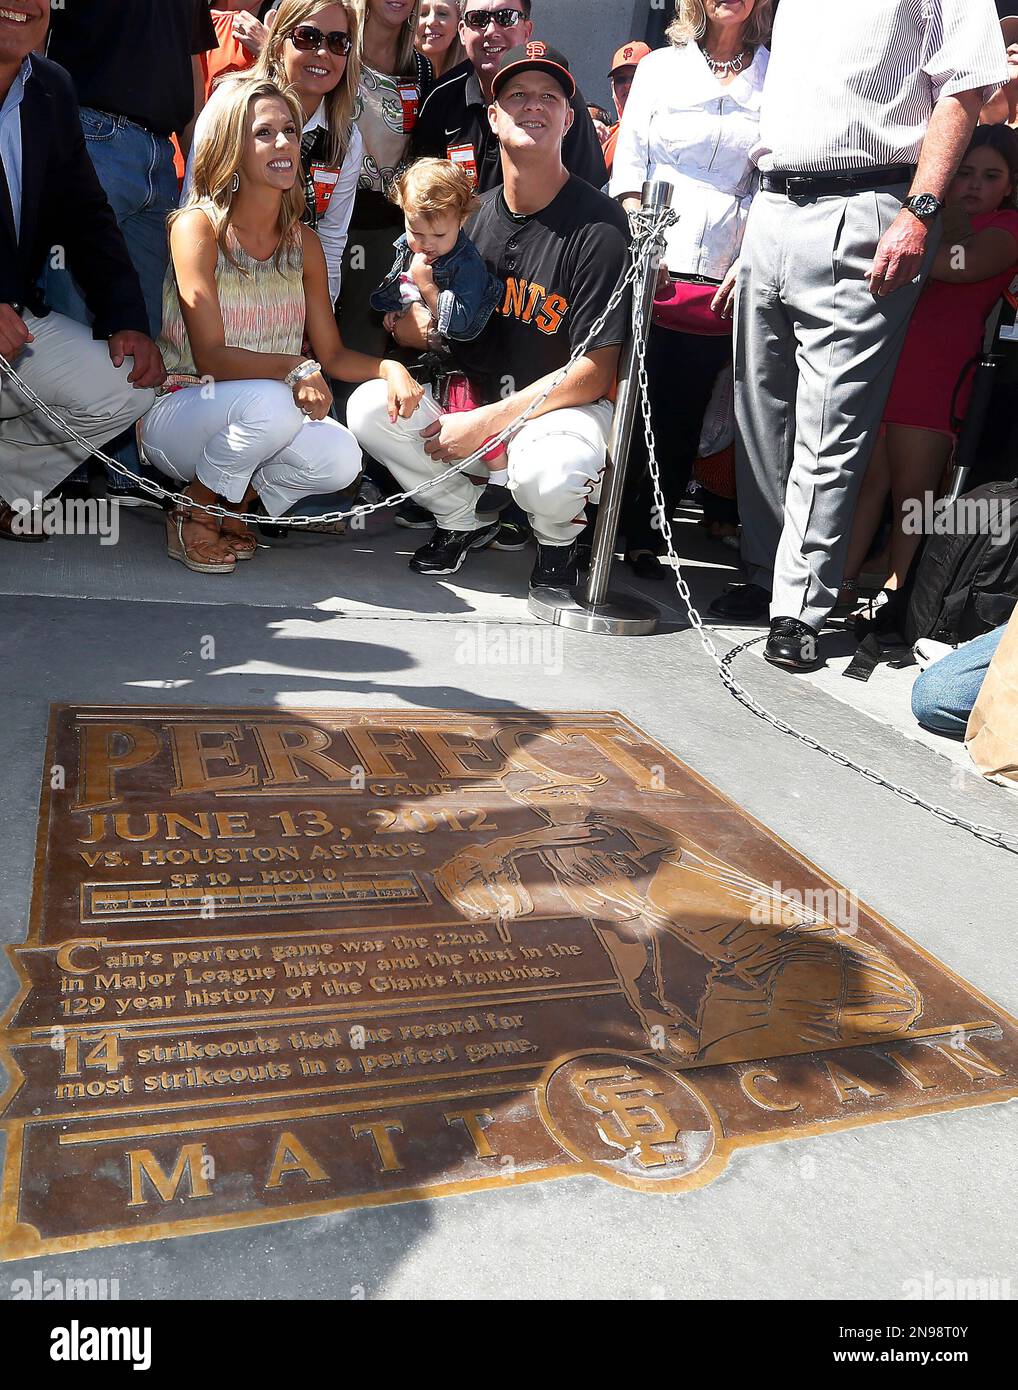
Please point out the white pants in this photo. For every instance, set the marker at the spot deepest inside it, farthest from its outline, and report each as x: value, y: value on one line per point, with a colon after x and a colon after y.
x: 555, y: 463
x: 68, y: 369
x: 231, y: 434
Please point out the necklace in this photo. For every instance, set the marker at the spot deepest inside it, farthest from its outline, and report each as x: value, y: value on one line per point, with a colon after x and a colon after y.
x: 733, y: 65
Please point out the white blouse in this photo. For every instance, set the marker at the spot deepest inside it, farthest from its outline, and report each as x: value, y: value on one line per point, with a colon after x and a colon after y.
x: 682, y: 127
x: 334, y: 223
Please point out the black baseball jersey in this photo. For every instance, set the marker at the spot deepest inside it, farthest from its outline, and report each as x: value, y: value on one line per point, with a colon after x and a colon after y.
x: 453, y: 124
x: 559, y: 267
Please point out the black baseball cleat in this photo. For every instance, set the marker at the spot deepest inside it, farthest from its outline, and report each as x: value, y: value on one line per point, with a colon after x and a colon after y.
x: 446, y: 551
x: 793, y: 645
x: 742, y: 601
x: 556, y: 567
x: 646, y: 565
x: 412, y: 517
x: 494, y: 498
x: 512, y: 535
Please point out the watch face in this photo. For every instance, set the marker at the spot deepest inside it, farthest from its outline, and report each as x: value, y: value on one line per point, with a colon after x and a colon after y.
x: 925, y: 205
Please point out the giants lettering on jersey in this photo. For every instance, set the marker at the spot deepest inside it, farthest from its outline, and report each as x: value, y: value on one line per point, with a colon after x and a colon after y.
x: 531, y: 303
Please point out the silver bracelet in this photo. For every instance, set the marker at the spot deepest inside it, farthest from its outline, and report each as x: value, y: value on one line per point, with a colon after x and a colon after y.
x: 301, y: 372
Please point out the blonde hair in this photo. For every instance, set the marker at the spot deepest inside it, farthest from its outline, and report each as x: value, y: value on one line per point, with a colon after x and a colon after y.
x: 220, y: 154
x: 690, y: 22
x: 408, y: 43
x: 455, y: 53
x: 434, y: 187
x: 341, y: 102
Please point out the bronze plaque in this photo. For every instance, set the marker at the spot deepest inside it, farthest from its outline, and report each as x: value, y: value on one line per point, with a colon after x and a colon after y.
x: 286, y: 962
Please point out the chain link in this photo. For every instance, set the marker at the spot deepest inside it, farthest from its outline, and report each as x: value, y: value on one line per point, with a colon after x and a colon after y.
x: 662, y: 521
x: 644, y: 237
x: 648, y: 243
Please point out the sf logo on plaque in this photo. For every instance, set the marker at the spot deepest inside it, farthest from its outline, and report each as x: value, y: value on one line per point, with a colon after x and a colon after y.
x: 284, y: 962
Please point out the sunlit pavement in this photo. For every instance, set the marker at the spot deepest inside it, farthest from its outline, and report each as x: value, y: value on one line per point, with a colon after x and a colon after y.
x: 342, y: 623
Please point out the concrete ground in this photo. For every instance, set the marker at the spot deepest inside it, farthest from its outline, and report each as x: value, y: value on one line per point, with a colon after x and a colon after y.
x: 316, y: 621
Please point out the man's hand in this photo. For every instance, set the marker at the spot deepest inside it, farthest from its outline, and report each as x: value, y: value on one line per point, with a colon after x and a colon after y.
x: 148, y: 371
x: 456, y: 437
x: 899, y: 256
x: 411, y: 329
x: 723, y: 302
x: 249, y: 32
x: 14, y: 336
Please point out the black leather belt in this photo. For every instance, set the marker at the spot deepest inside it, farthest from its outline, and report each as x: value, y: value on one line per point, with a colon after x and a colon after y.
x: 824, y: 185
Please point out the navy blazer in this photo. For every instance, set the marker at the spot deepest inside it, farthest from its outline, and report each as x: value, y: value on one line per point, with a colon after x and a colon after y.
x: 63, y: 205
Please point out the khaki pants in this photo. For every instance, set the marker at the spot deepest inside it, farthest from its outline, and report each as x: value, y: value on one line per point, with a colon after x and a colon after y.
x: 72, y: 372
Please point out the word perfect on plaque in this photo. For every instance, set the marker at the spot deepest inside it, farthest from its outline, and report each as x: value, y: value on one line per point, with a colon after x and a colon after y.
x: 288, y: 962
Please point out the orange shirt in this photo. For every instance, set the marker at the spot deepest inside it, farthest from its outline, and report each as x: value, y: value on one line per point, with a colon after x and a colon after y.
x: 229, y: 57
x: 609, y: 146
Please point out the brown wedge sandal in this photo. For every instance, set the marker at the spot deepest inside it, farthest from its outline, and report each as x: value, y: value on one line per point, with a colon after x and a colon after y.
x: 239, y: 537
x: 200, y: 555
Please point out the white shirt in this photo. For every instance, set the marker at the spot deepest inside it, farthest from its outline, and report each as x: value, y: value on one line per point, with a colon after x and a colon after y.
x: 681, y: 126
x: 852, y: 83
x: 334, y: 224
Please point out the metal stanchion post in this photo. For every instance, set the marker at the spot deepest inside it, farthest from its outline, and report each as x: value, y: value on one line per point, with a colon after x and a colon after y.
x: 591, y: 607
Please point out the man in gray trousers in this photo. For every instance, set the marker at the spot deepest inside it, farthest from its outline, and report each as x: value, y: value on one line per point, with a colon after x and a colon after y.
x: 867, y: 111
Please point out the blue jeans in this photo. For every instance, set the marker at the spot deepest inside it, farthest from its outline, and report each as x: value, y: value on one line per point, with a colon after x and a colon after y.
x: 136, y: 171
x: 944, y: 695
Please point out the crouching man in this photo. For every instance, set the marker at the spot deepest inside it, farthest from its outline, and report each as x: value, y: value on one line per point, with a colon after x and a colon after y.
x: 51, y: 203
x: 560, y: 248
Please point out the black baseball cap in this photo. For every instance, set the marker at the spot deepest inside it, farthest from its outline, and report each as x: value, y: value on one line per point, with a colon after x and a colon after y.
x: 527, y: 57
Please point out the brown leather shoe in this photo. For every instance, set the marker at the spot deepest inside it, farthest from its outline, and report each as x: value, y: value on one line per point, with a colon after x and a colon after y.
x: 8, y: 517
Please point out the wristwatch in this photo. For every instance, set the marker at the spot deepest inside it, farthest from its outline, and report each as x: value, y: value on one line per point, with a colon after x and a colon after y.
x: 925, y: 206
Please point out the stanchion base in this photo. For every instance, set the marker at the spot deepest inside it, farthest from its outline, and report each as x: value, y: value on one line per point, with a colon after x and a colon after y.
x: 619, y: 615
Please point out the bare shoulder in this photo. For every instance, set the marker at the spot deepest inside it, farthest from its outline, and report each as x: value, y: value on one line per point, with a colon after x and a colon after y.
x: 311, y: 246
x: 193, y: 231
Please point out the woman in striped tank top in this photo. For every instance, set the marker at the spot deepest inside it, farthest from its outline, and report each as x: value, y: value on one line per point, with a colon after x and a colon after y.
x: 244, y: 417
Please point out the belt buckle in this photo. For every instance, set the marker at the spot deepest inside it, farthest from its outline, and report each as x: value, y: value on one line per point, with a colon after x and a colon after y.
x: 797, y: 187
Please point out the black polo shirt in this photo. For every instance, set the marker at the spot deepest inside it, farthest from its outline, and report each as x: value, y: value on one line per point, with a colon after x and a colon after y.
x: 559, y: 267
x: 132, y: 58
x: 455, y: 117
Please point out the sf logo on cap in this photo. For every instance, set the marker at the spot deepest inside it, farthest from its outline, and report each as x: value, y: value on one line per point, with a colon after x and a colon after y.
x: 627, y: 52
x: 537, y: 50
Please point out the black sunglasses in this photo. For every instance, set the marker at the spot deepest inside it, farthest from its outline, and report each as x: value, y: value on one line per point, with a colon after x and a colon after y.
x: 505, y: 19
x: 307, y: 39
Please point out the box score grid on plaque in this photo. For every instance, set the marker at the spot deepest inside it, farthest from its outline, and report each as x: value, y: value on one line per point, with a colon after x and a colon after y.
x: 286, y: 962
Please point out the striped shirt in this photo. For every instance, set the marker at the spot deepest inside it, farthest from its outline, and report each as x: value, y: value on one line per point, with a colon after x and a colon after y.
x: 852, y: 83
x: 262, y: 305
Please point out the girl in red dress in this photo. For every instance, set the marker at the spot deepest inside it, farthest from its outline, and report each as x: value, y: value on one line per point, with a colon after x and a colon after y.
x: 970, y: 273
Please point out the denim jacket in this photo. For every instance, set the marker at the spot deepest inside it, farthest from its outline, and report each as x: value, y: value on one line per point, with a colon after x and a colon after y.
x: 467, y: 291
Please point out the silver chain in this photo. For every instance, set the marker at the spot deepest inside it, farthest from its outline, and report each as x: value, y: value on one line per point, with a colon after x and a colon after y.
x: 648, y: 241
x: 723, y: 663
x: 157, y: 491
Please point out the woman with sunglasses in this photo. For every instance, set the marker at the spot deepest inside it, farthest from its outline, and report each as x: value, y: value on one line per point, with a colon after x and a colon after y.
x: 438, y: 35
x: 314, y: 50
x: 243, y: 419
x: 394, y: 80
